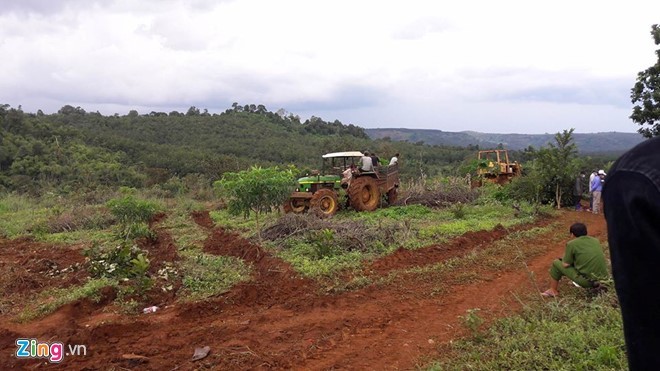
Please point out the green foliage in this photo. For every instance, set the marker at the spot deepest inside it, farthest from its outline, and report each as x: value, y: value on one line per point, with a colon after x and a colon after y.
x: 129, y: 210
x: 304, y: 257
x: 458, y: 210
x: 22, y: 215
x: 55, y: 298
x: 258, y: 190
x: 185, y: 232
x: 123, y: 261
x: 472, y: 321
x: 324, y: 243
x: 207, y: 275
x: 132, y: 216
x: 528, y: 187
x: 575, y: 333
x: 645, y: 95
x: 557, y: 166
x: 398, y: 213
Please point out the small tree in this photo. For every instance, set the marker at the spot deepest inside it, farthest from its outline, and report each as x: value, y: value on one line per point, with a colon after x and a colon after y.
x: 558, y: 164
x: 256, y: 190
x: 646, y: 94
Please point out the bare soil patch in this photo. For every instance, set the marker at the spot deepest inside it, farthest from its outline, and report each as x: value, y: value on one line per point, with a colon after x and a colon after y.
x: 281, y: 321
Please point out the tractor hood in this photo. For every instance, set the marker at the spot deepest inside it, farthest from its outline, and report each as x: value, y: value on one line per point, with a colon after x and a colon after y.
x: 319, y: 179
x: 310, y: 183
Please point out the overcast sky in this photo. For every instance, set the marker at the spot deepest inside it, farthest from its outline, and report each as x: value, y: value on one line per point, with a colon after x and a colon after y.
x: 483, y: 65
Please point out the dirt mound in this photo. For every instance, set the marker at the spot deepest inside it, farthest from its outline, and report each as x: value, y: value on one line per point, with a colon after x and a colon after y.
x: 203, y: 219
x: 273, y: 280
x: 160, y: 249
x: 404, y: 258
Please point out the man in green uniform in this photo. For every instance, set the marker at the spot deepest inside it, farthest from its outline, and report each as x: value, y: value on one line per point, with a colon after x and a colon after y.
x: 583, y: 263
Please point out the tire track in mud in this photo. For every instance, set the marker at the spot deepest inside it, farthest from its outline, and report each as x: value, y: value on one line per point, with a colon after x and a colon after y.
x: 280, y: 321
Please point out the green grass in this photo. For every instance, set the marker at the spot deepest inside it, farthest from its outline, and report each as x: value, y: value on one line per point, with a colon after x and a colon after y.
x: 305, y: 260
x: 76, y: 237
x: 21, y: 216
x: 465, y: 268
x: 572, y: 333
x: 206, y: 275
x: 416, y: 226
x: 183, y: 229
x: 245, y: 226
x: 50, y: 300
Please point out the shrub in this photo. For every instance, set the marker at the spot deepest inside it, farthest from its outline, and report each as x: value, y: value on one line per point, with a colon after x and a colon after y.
x: 458, y: 210
x: 124, y: 261
x: 131, y: 210
x: 132, y: 215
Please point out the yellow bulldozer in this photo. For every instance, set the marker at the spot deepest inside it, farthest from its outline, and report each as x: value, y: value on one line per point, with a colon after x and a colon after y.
x: 494, y: 166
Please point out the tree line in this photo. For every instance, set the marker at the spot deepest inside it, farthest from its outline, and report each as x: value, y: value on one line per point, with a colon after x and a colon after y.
x: 76, y: 150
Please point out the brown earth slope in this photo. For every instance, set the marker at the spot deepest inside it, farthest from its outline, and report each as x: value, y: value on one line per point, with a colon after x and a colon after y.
x: 282, y: 321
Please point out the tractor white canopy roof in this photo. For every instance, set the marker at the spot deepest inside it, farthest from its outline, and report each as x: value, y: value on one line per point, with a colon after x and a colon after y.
x: 344, y: 154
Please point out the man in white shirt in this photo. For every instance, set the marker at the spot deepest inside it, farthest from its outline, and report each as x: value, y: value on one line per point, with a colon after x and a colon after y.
x: 395, y: 159
x: 366, y: 165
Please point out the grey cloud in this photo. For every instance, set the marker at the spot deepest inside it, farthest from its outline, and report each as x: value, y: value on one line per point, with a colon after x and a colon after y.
x: 614, y: 92
x: 43, y: 7
x: 347, y: 97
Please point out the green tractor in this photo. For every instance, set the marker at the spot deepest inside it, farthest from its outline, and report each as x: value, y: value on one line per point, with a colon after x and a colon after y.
x: 319, y: 192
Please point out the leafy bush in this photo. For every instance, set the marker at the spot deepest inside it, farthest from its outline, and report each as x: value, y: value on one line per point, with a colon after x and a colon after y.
x: 124, y: 261
x: 129, y: 210
x: 132, y: 216
x: 323, y: 242
x: 257, y: 190
x: 527, y: 188
x: 458, y: 210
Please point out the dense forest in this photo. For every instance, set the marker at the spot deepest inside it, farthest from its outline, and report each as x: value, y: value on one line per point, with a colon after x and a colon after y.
x: 75, y: 150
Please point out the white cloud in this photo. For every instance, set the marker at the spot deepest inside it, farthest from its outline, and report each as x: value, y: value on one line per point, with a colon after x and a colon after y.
x: 459, y: 65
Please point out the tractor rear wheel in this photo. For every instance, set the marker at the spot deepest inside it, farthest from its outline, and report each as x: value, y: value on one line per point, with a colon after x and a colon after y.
x: 391, y: 196
x: 324, y: 203
x: 364, y: 194
x: 294, y: 205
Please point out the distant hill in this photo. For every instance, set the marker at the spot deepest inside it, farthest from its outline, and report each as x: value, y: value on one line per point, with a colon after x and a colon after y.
x: 611, y: 142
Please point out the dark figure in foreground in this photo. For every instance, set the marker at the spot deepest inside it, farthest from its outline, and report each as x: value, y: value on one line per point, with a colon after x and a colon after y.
x: 632, y: 209
x: 583, y: 262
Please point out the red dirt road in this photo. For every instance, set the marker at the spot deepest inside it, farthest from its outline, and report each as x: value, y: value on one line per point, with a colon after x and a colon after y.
x: 281, y: 321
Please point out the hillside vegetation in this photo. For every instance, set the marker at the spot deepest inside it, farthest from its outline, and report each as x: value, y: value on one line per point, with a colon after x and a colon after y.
x: 75, y: 149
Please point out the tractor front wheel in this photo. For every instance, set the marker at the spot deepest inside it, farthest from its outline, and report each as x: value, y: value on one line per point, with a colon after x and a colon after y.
x: 294, y: 205
x: 364, y: 194
x: 324, y: 203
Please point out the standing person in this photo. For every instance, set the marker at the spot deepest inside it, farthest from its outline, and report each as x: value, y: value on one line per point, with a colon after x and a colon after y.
x: 632, y: 210
x: 583, y: 262
x: 591, y: 196
x: 375, y: 161
x: 366, y: 165
x: 578, y: 190
x: 596, y: 188
x: 395, y: 159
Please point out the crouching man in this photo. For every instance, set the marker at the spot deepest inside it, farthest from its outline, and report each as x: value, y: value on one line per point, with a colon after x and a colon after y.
x: 583, y: 263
